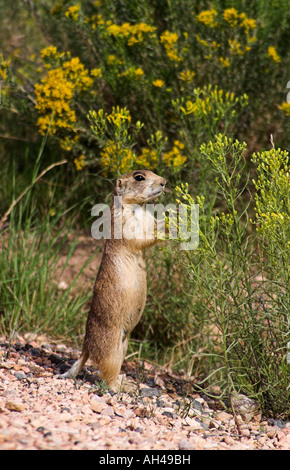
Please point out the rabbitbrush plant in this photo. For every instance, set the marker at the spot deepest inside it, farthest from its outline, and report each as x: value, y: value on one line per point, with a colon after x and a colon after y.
x: 240, y: 277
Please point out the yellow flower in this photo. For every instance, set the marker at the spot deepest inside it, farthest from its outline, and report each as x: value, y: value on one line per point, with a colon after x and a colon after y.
x: 113, y: 60
x: 247, y: 23
x: 224, y: 62
x: 3, y: 74
x: 55, y: 92
x: 272, y: 54
x: 174, y: 157
x: 79, y: 162
x: 190, y: 107
x: 169, y: 41
x: 134, y: 33
x: 201, y: 41
x: 116, y: 30
x: 231, y: 16
x: 118, y: 160
x: 138, y: 33
x: 167, y: 38
x: 158, y: 83
x: 285, y: 107
x: 73, y: 12
x: 236, y: 47
x: 186, y: 76
x: 4, y: 63
x: 207, y: 17
x: 48, y: 51
x: 119, y: 116
x: 96, y: 73
x: 67, y: 143
x: 147, y: 158
x: 139, y: 72
x: 134, y: 73
x: 77, y: 73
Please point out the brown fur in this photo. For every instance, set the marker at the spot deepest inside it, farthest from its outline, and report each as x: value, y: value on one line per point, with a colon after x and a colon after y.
x: 120, y: 289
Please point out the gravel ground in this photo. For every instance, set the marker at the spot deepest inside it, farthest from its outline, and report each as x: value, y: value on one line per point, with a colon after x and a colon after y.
x: 41, y: 411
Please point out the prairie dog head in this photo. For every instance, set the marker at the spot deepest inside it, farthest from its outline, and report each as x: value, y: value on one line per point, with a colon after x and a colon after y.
x: 139, y: 186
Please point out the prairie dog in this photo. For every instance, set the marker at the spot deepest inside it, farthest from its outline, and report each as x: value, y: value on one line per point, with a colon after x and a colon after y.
x: 120, y: 288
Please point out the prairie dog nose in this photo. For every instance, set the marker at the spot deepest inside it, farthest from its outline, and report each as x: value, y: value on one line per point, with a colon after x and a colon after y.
x: 163, y: 182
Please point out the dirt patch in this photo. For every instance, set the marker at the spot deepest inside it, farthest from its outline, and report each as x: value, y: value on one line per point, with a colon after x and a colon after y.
x: 162, y: 411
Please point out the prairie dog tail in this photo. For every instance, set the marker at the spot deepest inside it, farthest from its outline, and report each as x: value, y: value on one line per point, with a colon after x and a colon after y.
x: 77, y: 366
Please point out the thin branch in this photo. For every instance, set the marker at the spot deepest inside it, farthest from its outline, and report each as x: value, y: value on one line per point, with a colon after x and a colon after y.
x: 7, y: 213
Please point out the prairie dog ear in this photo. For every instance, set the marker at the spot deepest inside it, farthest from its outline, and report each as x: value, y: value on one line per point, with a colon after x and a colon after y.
x: 119, y: 187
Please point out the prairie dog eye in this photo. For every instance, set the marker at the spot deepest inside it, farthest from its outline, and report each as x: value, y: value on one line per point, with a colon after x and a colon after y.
x: 139, y: 178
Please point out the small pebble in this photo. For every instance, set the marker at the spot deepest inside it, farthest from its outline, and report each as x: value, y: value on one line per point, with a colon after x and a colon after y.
x: 14, y: 406
x: 20, y: 375
x: 184, y: 444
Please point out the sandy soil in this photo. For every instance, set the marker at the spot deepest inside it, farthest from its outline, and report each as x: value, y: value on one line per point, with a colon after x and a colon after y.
x: 158, y: 411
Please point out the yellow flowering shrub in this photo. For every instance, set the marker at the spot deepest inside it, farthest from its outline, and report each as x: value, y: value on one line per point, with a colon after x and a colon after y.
x: 224, y: 61
x: 73, y: 12
x: 134, y: 73
x: 68, y: 142
x: 169, y: 41
x: 186, y: 76
x: 207, y: 17
x: 158, y: 83
x: 211, y: 102
x: 272, y: 54
x: 79, y: 162
x: 134, y: 33
x: 231, y: 16
x: 116, y: 159
x: 148, y: 158
x: 97, y: 72
x: 238, y: 27
x: 243, y: 273
x: 236, y: 47
x: 145, y: 57
x: 77, y: 74
x: 247, y: 23
x: 113, y: 60
x: 115, y: 137
x: 53, y: 102
x: 48, y: 52
x: 56, y: 91
x: 175, y: 158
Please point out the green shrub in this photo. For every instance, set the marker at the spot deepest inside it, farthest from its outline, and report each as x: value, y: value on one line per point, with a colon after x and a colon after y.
x: 239, y: 277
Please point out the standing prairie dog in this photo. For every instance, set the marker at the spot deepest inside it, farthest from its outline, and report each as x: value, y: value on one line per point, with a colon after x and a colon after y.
x: 120, y: 289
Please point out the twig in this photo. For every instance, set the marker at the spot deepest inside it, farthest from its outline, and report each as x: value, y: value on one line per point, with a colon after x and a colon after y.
x: 7, y: 213
x: 272, y: 141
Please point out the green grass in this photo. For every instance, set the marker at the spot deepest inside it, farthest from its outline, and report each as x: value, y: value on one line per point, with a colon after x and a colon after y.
x: 30, y: 250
